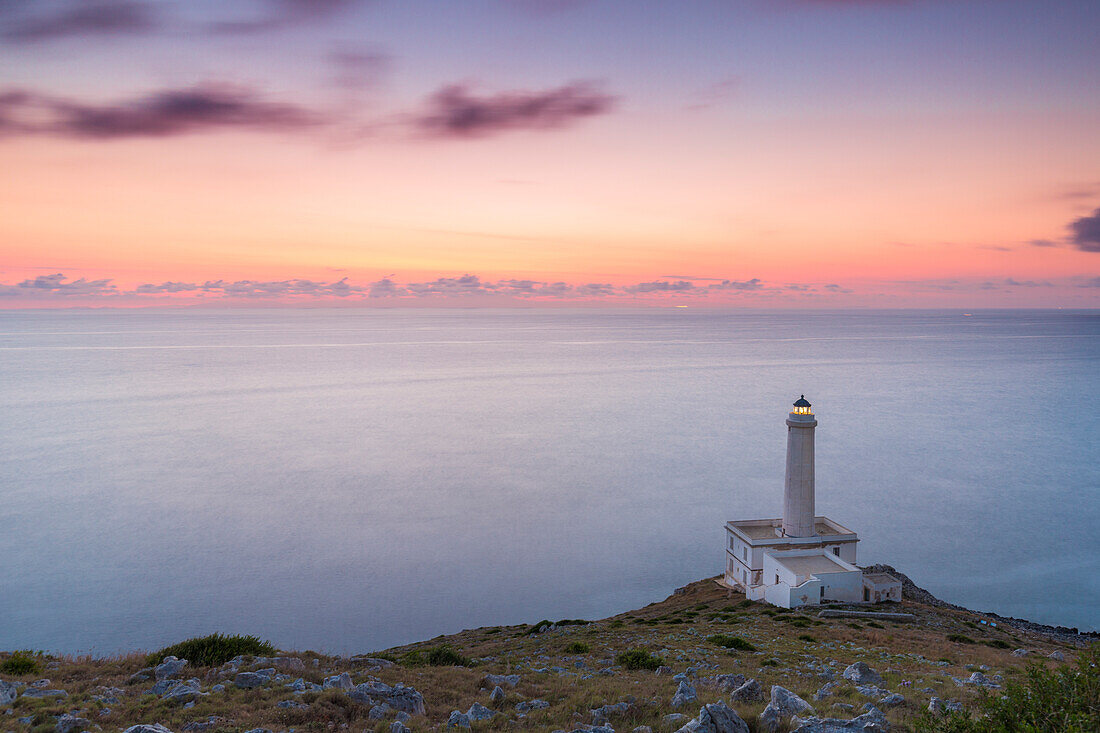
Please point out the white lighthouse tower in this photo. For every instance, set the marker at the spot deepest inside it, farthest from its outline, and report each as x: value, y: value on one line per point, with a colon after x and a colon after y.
x: 798, y: 494
x: 801, y: 559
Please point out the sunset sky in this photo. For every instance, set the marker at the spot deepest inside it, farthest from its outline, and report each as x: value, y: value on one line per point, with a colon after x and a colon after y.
x: 768, y: 153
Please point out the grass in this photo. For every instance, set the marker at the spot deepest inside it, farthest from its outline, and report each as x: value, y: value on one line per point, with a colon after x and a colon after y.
x: 577, y: 647
x: 639, y: 659
x: 731, y: 642
x: 22, y: 662
x: 214, y: 650
x: 960, y: 639
x: 1064, y: 699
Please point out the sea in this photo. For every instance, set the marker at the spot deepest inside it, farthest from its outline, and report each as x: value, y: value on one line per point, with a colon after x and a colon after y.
x: 346, y: 480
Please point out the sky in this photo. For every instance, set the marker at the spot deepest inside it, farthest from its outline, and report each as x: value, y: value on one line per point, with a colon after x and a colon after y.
x: 378, y: 153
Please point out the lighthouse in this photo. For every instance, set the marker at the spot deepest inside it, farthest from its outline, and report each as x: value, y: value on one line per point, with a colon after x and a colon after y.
x: 798, y: 493
x: 800, y: 559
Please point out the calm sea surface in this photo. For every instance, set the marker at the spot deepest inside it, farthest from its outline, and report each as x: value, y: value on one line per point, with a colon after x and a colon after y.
x: 347, y: 480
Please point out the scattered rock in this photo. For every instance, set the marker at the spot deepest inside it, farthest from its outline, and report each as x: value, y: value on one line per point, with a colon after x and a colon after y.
x: 642, y: 729
x: 871, y: 691
x: 398, y: 727
x: 751, y: 691
x: 1058, y: 656
x: 141, y: 676
x: 249, y: 680
x: 68, y: 723
x: 936, y: 705
x: 497, y: 694
x: 340, y: 681
x: 601, y: 714
x: 478, y: 711
x: 663, y: 670
x: 723, y: 682
x: 872, y: 720
x: 40, y: 693
x: 170, y: 667
x: 784, y: 704
x: 499, y: 680
x: 860, y: 674
x: 716, y: 718
x: 892, y: 700
x: 458, y: 719
x: 291, y: 705
x: 528, y: 706
x: 181, y: 691
x: 827, y: 689
x: 397, y: 697
x: 8, y: 693
x: 147, y: 728
x: 685, y: 693
x: 379, y: 712
x: 1020, y: 652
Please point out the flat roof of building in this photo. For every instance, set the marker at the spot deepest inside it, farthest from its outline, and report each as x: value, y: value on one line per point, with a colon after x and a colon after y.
x: 809, y: 564
x: 767, y: 529
x: 880, y: 578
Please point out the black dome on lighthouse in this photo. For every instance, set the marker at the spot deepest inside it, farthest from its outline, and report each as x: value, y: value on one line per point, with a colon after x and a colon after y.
x: 802, y: 402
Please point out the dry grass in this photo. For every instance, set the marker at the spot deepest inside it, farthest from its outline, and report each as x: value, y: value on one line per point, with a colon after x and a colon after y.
x: 675, y: 629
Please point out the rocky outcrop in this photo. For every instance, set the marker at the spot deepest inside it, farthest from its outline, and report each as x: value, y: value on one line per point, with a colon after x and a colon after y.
x: 169, y: 668
x: 716, y: 718
x: 685, y: 694
x: 871, y: 721
x: 783, y: 705
x: 500, y: 680
x: 8, y: 692
x: 398, y: 697
x: 751, y: 691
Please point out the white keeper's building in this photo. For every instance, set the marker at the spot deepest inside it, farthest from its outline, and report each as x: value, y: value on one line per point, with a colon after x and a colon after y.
x: 801, y: 559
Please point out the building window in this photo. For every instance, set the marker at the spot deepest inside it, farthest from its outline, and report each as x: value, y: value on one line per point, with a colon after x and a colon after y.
x: 836, y: 551
x: 745, y: 553
x: 866, y: 594
x: 822, y: 592
x: 777, y: 578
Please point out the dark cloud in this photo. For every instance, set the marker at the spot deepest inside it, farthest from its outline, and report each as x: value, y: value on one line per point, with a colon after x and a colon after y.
x: 753, y: 284
x: 465, y: 285
x: 280, y: 14
x: 1085, y: 232
x: 59, y: 284
x: 1028, y: 283
x: 593, y: 290
x: 1093, y: 283
x: 833, y: 287
x: 385, y: 288
x: 260, y: 288
x: 80, y: 18
x: 455, y: 111
x: 163, y: 113
x: 165, y: 287
x: 1042, y: 243
x: 663, y: 286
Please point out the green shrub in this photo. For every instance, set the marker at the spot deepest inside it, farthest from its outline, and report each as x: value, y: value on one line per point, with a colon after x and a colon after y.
x: 731, y: 642
x: 960, y: 639
x: 700, y: 606
x: 577, y: 647
x: 22, y: 662
x: 807, y: 637
x: 996, y: 643
x: 437, y: 656
x: 1064, y: 699
x: 572, y: 622
x: 618, y: 624
x: 214, y: 650
x: 639, y: 659
x: 875, y: 625
x: 540, y: 627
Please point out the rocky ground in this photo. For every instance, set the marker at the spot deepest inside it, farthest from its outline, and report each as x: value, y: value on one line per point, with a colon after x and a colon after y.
x: 726, y: 665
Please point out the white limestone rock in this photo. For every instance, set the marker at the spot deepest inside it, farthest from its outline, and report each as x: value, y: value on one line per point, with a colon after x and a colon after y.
x: 497, y: 694
x: 170, y: 667
x: 1057, y: 656
x: 458, y: 719
x: 1020, y: 652
x: 873, y: 721
x: 500, y: 680
x: 340, y: 681
x: 860, y: 674
x: 8, y: 693
x: 685, y: 693
x: 751, y: 691
x: 478, y: 711
x: 249, y: 680
x: 784, y: 704
x: 601, y: 714
x: 529, y: 705
x: 147, y: 728
x: 716, y: 718
x: 67, y: 723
